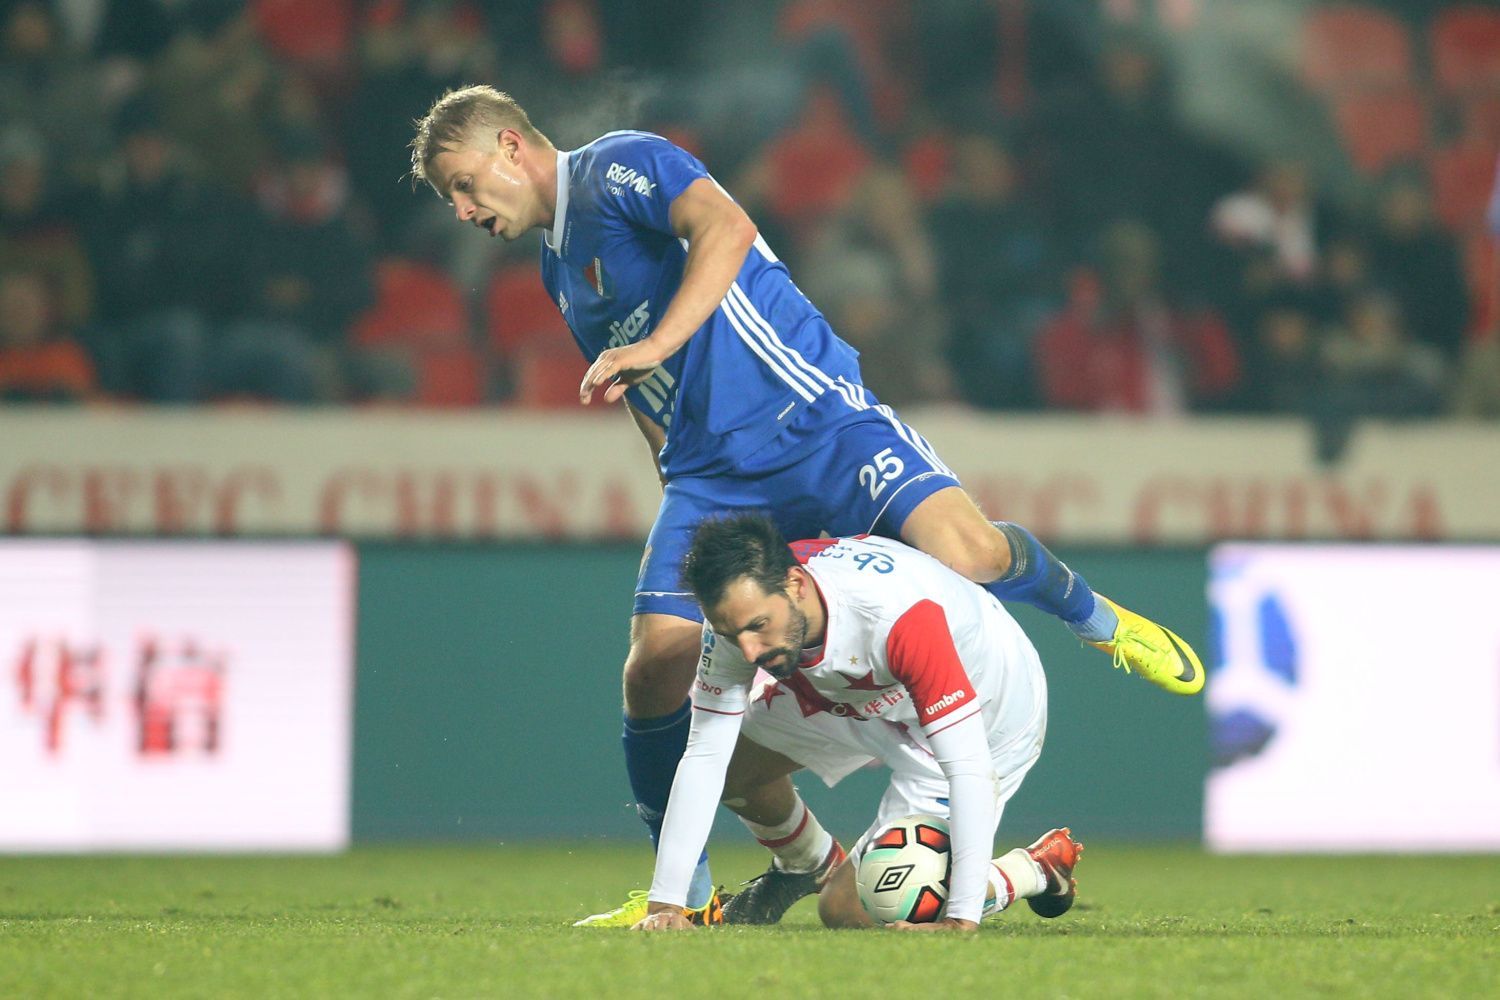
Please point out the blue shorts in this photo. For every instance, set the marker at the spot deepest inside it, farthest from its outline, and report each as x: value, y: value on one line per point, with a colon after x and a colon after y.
x: 863, y: 474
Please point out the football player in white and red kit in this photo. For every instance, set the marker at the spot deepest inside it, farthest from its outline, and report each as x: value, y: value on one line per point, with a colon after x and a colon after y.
x: 876, y: 651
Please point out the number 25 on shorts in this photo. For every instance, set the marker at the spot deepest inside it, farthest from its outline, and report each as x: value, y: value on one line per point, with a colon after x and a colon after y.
x: 878, y: 474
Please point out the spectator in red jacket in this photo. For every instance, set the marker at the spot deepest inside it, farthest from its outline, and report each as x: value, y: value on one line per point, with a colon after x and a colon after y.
x: 1121, y: 346
x: 38, y: 364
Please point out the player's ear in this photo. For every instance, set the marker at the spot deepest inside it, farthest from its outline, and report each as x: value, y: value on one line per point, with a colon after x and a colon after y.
x: 508, y: 141
x: 796, y: 583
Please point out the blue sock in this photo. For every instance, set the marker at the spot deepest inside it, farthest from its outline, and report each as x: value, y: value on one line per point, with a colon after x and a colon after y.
x: 652, y: 749
x: 1039, y: 578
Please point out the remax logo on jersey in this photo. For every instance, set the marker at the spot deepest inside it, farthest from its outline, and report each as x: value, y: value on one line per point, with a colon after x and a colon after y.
x: 622, y: 178
x: 945, y: 701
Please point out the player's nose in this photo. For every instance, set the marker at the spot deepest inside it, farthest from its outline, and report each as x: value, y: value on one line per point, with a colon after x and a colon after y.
x: 463, y: 208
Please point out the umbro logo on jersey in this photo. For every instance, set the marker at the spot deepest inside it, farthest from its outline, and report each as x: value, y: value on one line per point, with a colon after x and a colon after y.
x: 562, y: 302
x: 943, y: 702
x: 621, y: 177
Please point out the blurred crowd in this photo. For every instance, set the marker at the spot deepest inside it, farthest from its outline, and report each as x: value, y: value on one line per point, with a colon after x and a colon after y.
x: 1144, y: 206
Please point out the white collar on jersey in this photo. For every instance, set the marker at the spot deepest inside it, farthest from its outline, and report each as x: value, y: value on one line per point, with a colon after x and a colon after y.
x: 560, y: 212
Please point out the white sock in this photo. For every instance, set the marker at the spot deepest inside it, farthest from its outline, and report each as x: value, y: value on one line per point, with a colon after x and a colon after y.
x: 800, y: 844
x: 1013, y: 875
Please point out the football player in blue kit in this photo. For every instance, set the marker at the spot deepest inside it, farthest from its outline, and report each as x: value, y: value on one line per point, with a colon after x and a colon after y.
x: 746, y: 397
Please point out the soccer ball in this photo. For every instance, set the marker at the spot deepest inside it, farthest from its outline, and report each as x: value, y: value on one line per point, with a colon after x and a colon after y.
x: 903, y: 874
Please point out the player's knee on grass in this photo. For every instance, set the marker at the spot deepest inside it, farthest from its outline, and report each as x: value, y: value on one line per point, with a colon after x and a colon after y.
x: 659, y: 667
x: 838, y: 903
x: 949, y: 527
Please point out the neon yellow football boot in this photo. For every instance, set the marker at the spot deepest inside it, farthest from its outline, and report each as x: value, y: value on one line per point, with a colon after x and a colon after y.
x: 633, y: 910
x: 1159, y: 655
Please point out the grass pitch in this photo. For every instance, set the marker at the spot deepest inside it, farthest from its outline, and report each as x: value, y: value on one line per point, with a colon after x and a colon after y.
x: 492, y: 921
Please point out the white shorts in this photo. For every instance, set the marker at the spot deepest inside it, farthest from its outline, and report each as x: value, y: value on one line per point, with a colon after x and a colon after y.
x: 833, y: 746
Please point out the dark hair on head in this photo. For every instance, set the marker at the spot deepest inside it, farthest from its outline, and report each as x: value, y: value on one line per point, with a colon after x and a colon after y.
x: 725, y: 549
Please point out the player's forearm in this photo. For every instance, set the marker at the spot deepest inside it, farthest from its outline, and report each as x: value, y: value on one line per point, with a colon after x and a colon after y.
x: 684, y: 831
x: 695, y: 795
x: 971, y: 824
x: 716, y: 252
x: 963, y: 753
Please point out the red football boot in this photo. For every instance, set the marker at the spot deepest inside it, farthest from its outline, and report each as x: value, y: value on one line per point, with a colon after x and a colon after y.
x: 1057, y: 852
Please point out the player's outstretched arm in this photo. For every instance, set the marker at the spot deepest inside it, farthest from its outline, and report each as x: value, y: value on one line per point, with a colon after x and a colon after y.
x: 695, y: 795
x: 719, y: 234
x: 924, y: 658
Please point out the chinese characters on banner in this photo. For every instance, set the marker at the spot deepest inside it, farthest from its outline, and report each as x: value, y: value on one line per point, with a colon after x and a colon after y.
x: 174, y: 693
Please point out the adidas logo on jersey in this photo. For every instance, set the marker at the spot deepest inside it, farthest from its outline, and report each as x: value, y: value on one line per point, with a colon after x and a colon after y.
x: 562, y: 302
x: 627, y: 330
x: 621, y: 177
x: 659, y: 390
x: 943, y: 702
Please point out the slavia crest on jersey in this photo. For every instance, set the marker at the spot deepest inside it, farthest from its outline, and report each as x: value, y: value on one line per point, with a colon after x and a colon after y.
x: 596, y: 278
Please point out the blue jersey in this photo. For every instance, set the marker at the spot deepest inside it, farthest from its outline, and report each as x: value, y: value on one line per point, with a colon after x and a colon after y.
x: 765, y: 362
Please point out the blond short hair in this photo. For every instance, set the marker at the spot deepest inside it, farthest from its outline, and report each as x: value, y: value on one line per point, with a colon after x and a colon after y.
x: 457, y: 116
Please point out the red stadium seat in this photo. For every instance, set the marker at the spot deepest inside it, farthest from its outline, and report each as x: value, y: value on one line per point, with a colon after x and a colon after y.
x: 415, y: 305
x: 1462, y: 177
x: 1353, y: 47
x: 450, y: 376
x: 1465, y: 46
x: 303, y: 32
x: 928, y: 164
x: 1465, y: 52
x: 1380, y: 128
x: 547, y: 376
x: 518, y: 312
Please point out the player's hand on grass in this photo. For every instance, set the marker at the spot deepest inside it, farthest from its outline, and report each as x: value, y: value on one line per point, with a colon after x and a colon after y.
x: 662, y: 917
x: 619, y: 368
x: 946, y: 924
